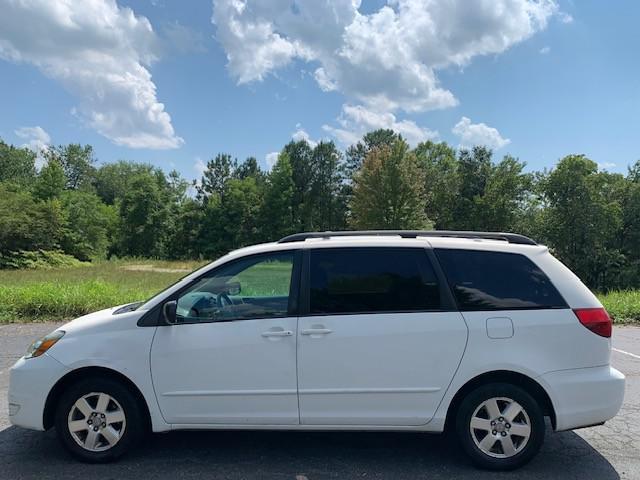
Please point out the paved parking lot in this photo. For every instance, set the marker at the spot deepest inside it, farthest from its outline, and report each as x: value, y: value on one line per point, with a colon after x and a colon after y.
x: 611, y: 451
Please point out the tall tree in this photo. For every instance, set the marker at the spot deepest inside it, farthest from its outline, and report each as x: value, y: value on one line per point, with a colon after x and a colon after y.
x: 389, y: 190
x: 89, y: 225
x: 580, y: 221
x: 248, y: 168
x: 299, y: 154
x: 356, y: 154
x: 503, y: 200
x: 177, y: 187
x: 239, y: 214
x: 143, y: 217
x: 630, y: 232
x: 231, y: 221
x: 28, y: 224
x: 216, y: 176
x: 186, y: 239
x: 17, y: 165
x: 112, y: 180
x: 327, y: 201
x: 50, y: 182
x: 474, y: 171
x: 442, y: 181
x: 277, y: 207
x: 77, y: 162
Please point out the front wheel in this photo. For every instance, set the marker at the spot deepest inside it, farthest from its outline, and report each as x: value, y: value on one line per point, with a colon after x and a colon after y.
x: 500, y: 426
x: 98, y: 420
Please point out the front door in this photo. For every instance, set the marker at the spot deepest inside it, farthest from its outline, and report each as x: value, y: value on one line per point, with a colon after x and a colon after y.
x: 380, y: 345
x: 231, y: 358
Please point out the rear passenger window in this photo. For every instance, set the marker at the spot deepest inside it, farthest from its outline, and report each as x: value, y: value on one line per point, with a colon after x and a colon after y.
x: 497, y: 281
x: 359, y: 280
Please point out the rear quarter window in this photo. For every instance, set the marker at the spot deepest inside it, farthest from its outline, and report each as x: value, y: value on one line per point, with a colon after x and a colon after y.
x: 482, y: 280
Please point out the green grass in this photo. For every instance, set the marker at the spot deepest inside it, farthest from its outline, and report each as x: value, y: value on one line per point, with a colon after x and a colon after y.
x: 623, y: 306
x: 255, y: 283
x: 65, y: 293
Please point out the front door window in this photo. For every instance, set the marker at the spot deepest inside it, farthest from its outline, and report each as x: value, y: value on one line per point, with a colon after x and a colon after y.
x: 253, y: 287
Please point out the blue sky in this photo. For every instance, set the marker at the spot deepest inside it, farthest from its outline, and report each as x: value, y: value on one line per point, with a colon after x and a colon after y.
x: 535, y: 79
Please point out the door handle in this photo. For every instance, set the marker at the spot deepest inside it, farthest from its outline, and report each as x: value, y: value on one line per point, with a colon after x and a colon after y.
x: 316, y: 331
x: 277, y: 333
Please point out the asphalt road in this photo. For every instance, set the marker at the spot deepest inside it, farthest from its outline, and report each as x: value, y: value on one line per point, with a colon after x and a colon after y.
x: 611, y: 451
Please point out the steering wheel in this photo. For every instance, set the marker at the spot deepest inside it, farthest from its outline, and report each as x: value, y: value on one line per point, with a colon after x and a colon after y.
x: 196, y: 308
x: 223, y: 298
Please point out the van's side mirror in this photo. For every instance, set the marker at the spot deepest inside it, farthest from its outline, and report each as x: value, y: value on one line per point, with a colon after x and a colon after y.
x: 169, y: 311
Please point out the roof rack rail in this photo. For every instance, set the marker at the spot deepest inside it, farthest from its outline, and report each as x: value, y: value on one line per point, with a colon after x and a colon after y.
x: 507, y: 237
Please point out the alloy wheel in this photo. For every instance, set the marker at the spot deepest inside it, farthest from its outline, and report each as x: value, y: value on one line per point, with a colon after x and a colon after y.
x: 500, y: 427
x: 96, y: 422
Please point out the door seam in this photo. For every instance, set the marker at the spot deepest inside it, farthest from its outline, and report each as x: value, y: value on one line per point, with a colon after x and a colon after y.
x: 297, y: 373
x: 153, y: 384
x: 446, y: 391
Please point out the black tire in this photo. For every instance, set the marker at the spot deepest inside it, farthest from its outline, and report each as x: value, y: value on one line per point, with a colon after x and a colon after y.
x: 132, y: 429
x: 528, y: 448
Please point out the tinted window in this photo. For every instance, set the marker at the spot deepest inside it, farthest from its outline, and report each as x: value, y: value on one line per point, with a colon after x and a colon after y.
x: 253, y: 287
x: 497, y: 281
x: 351, y: 280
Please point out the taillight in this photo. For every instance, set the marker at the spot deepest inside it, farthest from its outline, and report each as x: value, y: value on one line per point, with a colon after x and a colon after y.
x: 595, y: 319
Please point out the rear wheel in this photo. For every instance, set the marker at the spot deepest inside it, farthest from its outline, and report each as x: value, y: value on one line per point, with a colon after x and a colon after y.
x: 98, y: 420
x: 500, y: 426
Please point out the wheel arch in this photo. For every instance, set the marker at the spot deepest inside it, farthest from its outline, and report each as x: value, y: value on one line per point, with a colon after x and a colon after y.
x: 525, y: 382
x: 75, y: 375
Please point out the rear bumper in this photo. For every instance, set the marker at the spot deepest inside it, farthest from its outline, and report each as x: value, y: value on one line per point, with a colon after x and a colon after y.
x: 584, y: 396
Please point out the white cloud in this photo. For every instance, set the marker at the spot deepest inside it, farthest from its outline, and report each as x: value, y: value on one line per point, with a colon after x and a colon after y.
x: 385, y: 60
x: 300, y: 134
x: 565, y: 17
x: 270, y: 159
x: 37, y: 139
x: 606, y: 165
x: 199, y: 166
x: 100, y: 53
x: 252, y: 47
x: 325, y: 83
x: 356, y: 120
x: 545, y: 50
x: 472, y: 134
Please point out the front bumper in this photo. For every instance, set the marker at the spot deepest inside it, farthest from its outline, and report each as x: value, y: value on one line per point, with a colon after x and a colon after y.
x: 30, y: 382
x: 584, y: 396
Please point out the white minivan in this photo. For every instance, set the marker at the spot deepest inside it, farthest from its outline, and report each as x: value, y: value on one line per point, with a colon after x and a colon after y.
x: 482, y: 333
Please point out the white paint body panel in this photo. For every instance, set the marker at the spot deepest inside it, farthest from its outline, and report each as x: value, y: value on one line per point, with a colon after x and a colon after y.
x: 29, y: 385
x: 377, y: 372
x: 226, y: 372
x: 382, y: 369
x: 115, y: 342
x: 544, y: 341
x: 102, y: 339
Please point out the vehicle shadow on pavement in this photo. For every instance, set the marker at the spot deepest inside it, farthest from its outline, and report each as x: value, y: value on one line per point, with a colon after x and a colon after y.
x: 293, y: 455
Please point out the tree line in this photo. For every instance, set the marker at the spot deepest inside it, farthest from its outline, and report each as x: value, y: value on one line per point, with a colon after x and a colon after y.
x: 589, y: 218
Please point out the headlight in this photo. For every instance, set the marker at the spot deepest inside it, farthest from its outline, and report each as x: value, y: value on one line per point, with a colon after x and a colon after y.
x: 38, y: 347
